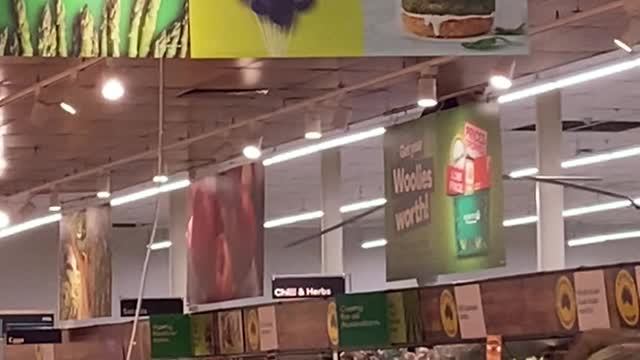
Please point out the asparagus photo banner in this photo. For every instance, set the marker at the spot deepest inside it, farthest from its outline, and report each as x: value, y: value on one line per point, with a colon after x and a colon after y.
x: 443, y: 180
x: 345, y: 28
x: 95, y: 28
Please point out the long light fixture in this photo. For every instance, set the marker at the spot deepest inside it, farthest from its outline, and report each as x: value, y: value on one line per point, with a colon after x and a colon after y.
x: 372, y: 244
x: 604, y: 238
x: 28, y: 225
x: 580, y: 78
x: 583, y: 161
x: 362, y: 205
x: 160, y: 245
x: 150, y: 192
x: 293, y: 219
x: 325, y: 145
x: 584, y: 210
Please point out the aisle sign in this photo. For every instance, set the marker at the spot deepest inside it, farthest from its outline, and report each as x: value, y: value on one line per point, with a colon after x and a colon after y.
x: 151, y: 306
x: 34, y: 336
x: 593, y: 311
x: 170, y: 336
x: 301, y: 287
x: 363, y: 320
x: 470, y: 311
x: 268, y: 328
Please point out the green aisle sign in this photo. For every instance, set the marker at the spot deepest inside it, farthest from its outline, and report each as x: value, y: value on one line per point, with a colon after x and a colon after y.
x: 363, y: 320
x: 170, y: 336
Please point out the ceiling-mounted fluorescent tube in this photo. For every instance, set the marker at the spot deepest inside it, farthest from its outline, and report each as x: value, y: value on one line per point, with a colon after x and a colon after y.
x: 147, y: 193
x: 293, y: 219
x: 28, y: 225
x: 160, y: 245
x: 583, y: 161
x: 603, y: 238
x: 362, y: 205
x: 325, y: 145
x: 582, y: 77
x: 372, y: 244
x: 573, y: 212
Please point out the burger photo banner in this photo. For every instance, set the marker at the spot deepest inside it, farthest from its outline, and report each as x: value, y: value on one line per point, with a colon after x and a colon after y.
x: 225, y: 236
x: 345, y: 28
x: 443, y: 180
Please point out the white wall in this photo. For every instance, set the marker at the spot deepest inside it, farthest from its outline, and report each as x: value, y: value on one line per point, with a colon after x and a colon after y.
x: 29, y: 270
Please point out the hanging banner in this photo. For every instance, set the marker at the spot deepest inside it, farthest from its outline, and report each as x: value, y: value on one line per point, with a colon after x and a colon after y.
x: 225, y: 236
x: 113, y: 28
x: 85, y: 269
x: 443, y: 179
x: 339, y: 28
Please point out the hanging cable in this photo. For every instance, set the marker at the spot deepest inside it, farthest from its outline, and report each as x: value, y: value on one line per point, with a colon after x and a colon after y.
x: 145, y: 266
x: 143, y: 280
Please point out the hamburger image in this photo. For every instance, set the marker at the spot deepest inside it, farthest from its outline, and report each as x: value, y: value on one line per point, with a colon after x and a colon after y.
x: 448, y: 19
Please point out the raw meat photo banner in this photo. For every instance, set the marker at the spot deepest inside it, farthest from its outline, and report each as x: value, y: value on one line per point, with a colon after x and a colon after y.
x: 85, y: 269
x: 225, y: 236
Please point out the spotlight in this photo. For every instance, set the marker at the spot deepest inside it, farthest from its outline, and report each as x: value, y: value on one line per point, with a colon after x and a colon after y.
x: 68, y: 108
x: 160, y: 179
x: 253, y: 151
x: 631, y: 36
x: 104, y: 187
x: 427, y: 92
x: 313, y: 127
x: 113, y: 90
x: 502, y: 75
x: 4, y: 219
x: 54, y: 201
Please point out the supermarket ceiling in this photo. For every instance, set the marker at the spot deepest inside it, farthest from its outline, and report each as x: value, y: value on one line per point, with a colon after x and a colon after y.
x: 44, y: 144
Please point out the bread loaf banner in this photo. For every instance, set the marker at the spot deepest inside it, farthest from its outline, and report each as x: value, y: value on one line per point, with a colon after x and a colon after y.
x: 443, y: 179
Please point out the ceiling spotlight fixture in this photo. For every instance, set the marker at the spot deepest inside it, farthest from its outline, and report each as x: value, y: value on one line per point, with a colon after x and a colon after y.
x: 4, y: 219
x: 313, y: 126
x: 113, y: 90
x: 427, y: 91
x: 631, y: 36
x: 502, y: 75
x: 253, y: 151
x: 160, y: 179
x: 104, y: 187
x: 54, y: 201
x: 68, y: 108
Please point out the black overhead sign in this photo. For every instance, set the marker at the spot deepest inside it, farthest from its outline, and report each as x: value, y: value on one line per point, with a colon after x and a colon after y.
x: 296, y: 287
x: 26, y: 321
x: 35, y: 336
x: 152, y: 307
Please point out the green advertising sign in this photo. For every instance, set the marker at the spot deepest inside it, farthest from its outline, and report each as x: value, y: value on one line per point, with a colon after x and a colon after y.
x: 170, y: 336
x: 363, y: 320
x: 443, y: 180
